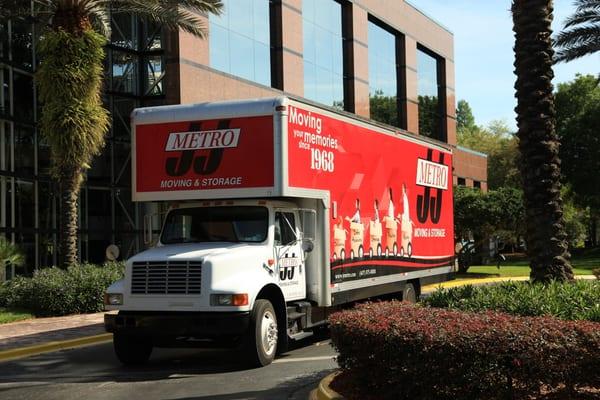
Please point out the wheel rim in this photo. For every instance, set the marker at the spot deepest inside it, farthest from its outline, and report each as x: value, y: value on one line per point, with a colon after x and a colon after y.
x: 268, y: 333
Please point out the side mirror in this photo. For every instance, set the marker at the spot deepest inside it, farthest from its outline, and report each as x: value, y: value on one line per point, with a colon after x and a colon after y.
x: 307, y: 245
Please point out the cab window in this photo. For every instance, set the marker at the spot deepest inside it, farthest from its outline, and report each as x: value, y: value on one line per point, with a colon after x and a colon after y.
x: 285, y: 228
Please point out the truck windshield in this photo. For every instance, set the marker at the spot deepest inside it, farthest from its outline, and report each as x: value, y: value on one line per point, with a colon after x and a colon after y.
x: 216, y: 224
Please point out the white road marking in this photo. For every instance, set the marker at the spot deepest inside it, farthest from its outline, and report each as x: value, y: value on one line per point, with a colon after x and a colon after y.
x: 304, y: 359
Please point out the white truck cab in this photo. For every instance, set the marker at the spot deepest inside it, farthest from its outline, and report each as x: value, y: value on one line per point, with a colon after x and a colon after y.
x: 213, y: 262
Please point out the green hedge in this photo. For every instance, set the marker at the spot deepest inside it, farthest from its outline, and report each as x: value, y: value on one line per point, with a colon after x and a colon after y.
x: 403, y: 351
x: 578, y: 300
x: 54, y: 291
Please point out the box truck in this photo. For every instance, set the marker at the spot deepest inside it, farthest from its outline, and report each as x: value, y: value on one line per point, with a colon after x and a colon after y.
x: 279, y: 211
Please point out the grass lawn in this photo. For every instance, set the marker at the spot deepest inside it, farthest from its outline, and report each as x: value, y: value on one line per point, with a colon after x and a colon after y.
x: 583, y: 263
x: 13, y: 315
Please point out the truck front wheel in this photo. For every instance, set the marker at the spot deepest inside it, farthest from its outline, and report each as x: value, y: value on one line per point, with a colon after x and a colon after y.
x: 132, y: 349
x: 262, y: 335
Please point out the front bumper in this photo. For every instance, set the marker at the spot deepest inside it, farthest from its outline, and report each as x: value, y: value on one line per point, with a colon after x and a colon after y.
x: 192, y: 324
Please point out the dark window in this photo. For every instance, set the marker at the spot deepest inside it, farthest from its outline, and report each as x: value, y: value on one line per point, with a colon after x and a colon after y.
x: 285, y: 229
x: 461, y: 182
x: 430, y: 92
x: 323, y: 52
x: 23, y: 97
x: 383, y: 75
x: 24, y: 150
x: 477, y: 184
x: 240, y: 40
x: 216, y: 224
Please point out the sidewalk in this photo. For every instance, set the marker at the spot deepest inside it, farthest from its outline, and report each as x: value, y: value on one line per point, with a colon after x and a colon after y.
x: 41, y: 335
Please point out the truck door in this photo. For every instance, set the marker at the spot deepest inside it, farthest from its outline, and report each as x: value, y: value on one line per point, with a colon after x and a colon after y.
x: 291, y: 272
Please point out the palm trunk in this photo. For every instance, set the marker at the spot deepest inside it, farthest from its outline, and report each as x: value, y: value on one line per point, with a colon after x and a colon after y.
x: 69, y: 198
x: 538, y: 142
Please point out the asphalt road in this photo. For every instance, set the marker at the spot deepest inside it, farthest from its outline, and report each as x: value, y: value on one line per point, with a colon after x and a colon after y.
x: 174, y: 374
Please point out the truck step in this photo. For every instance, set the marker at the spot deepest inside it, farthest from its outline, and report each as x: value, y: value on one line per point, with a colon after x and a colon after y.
x: 300, y: 335
x: 295, y: 315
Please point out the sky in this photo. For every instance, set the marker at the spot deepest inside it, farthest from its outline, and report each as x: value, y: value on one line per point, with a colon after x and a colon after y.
x: 483, y: 55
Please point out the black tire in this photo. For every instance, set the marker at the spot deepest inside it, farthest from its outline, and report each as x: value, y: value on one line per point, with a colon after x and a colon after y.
x: 409, y: 250
x: 262, y: 334
x: 132, y: 349
x: 409, y: 293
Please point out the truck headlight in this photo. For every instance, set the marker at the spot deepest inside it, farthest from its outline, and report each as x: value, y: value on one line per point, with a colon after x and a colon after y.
x: 113, y: 299
x: 239, y: 299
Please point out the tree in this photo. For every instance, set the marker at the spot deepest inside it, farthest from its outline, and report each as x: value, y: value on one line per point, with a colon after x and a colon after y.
x: 538, y: 142
x: 69, y: 79
x: 578, y: 118
x: 464, y: 116
x: 429, y: 117
x: 384, y: 108
x: 581, y: 33
x: 9, y: 254
x: 501, y: 146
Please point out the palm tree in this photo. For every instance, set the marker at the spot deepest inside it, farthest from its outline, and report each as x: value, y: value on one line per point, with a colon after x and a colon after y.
x: 9, y: 254
x: 69, y: 78
x: 581, y: 33
x: 538, y: 142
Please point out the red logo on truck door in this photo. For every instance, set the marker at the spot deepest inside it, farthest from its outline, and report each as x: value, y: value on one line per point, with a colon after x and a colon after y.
x: 202, y: 155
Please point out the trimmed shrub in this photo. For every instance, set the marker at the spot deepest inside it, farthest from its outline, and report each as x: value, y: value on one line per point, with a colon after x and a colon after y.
x: 54, y: 291
x: 579, y: 300
x: 398, y: 350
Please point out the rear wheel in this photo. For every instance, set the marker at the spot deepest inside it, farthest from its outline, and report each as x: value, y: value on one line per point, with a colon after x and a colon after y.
x: 132, y: 349
x: 409, y: 293
x: 263, y: 334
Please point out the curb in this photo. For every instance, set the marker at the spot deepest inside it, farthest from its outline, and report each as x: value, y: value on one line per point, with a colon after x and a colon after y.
x: 324, y: 392
x: 48, y: 347
x: 473, y: 281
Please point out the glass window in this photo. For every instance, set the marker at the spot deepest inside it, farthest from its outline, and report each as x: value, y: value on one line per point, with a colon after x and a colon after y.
x: 3, y: 39
x: 23, y: 97
x: 383, y: 84
x: 100, y: 173
x: 323, y: 52
x: 5, y: 146
x: 24, y: 150
x: 124, y: 31
x: 24, y: 205
x: 429, y: 105
x: 216, y: 224
x: 124, y: 72
x: 46, y: 205
x: 239, y: 40
x: 4, y: 91
x: 285, y: 229
x: 21, y: 41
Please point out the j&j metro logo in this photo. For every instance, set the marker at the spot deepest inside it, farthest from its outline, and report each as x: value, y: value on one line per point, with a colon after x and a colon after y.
x: 213, y: 139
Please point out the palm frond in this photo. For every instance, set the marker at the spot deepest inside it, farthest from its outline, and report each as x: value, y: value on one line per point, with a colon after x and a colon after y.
x: 572, y: 53
x: 582, y: 5
x: 578, y: 36
x: 183, y: 14
x: 10, y: 253
x: 583, y: 17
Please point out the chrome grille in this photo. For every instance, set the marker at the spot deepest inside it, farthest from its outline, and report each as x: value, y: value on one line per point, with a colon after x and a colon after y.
x: 173, y: 277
